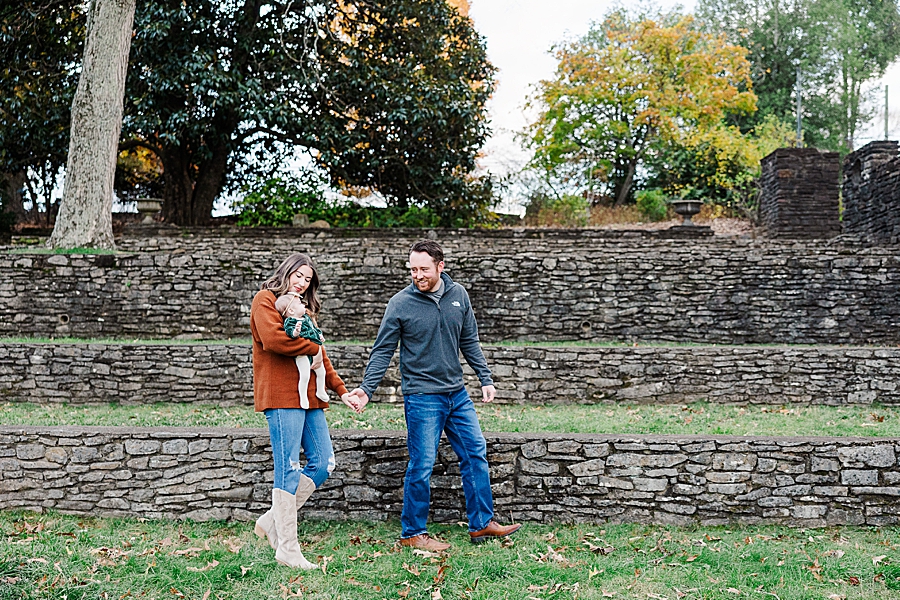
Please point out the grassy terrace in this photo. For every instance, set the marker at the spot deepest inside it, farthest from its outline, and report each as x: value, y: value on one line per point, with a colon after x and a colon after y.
x: 698, y: 418
x: 56, y: 556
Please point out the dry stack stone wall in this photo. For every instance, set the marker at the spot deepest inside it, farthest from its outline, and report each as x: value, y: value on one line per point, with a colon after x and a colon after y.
x: 871, y: 193
x: 222, y: 373
x: 525, y: 285
x: 223, y: 474
x: 799, y: 193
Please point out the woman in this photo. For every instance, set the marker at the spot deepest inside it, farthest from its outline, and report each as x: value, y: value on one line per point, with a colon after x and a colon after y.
x: 275, y: 393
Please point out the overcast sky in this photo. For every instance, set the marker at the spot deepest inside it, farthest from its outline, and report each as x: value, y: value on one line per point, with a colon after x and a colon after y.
x: 519, y: 36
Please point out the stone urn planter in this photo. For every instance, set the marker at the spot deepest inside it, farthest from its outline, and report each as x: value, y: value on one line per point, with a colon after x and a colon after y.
x: 148, y: 207
x: 687, y: 209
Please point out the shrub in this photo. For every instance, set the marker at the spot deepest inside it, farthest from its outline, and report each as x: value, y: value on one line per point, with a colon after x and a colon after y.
x: 653, y: 205
x: 274, y: 202
x: 567, y: 211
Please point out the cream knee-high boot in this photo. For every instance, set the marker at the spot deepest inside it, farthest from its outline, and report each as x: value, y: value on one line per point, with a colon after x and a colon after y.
x: 265, y: 525
x: 284, y: 506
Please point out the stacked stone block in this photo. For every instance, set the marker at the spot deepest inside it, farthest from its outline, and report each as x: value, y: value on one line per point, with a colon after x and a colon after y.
x: 223, y: 474
x: 871, y: 193
x: 222, y: 374
x: 799, y: 193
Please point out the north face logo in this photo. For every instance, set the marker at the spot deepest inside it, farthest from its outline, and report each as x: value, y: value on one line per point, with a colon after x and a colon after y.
x: 455, y: 303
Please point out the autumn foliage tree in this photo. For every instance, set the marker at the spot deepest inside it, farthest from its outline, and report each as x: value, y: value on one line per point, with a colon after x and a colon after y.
x: 628, y: 91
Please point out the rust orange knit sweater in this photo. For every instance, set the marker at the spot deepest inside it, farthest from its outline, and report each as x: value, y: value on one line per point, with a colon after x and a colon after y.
x: 275, y: 375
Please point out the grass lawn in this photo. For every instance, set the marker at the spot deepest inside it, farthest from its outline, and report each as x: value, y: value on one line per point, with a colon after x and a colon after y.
x: 59, y: 556
x: 697, y: 418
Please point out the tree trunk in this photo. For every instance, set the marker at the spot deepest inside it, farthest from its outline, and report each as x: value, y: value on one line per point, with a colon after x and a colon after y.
x: 13, y: 185
x: 625, y: 186
x: 187, y: 201
x: 85, y: 213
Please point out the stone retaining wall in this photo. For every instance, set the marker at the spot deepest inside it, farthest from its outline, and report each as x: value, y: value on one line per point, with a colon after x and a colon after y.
x: 224, y: 474
x: 799, y: 194
x: 222, y: 373
x: 871, y: 192
x: 525, y: 285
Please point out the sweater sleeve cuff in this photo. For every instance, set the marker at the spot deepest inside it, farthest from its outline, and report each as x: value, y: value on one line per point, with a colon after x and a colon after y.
x: 341, y: 390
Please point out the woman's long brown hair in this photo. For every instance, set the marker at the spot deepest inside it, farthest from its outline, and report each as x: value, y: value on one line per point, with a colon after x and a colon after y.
x: 279, y: 282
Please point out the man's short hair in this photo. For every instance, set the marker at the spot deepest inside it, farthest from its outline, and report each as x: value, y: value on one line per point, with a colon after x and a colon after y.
x: 431, y: 247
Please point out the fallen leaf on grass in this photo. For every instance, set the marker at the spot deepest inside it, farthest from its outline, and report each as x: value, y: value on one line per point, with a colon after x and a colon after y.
x: 878, y: 559
x: 601, y: 550
x: 551, y: 554
x: 836, y: 597
x: 206, y: 595
x: 816, y: 570
x: 194, y: 551
x: 734, y: 591
x: 424, y: 553
x: 436, y: 595
x: 210, y: 565
x: 606, y: 594
x: 537, y: 588
x: 853, y: 580
x: 9, y: 580
x: 442, y: 572
x: 325, y: 561
x: 233, y: 544
x: 656, y: 596
x: 412, y: 569
x: 43, y: 561
x: 835, y: 553
x: 287, y: 593
x: 245, y: 570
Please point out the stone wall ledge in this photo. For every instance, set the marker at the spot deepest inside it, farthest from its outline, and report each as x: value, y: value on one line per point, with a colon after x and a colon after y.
x: 208, y: 473
x: 221, y: 373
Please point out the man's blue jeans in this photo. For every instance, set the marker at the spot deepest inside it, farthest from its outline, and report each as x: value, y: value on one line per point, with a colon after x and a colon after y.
x: 427, y: 415
x: 292, y: 430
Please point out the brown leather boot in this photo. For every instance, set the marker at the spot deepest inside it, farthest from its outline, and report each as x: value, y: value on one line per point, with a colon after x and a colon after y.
x: 493, y: 531
x: 424, y: 542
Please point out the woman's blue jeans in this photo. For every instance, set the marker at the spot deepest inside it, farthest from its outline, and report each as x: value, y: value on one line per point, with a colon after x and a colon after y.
x: 292, y: 430
x: 427, y: 415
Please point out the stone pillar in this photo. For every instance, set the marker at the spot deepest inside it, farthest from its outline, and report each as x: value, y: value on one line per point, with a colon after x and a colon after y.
x: 799, y: 193
x: 871, y: 192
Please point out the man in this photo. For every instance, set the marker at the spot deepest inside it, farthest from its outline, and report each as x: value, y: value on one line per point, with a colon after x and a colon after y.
x: 433, y: 321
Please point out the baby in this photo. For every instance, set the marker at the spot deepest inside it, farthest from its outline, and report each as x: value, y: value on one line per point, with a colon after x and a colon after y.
x: 299, y: 324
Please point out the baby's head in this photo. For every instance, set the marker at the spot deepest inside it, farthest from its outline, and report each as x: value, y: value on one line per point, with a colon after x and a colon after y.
x: 290, y: 305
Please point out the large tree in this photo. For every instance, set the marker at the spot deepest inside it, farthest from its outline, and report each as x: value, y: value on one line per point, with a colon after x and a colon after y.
x: 838, y: 46
x: 386, y: 94
x: 85, y: 212
x: 40, y: 46
x: 630, y: 85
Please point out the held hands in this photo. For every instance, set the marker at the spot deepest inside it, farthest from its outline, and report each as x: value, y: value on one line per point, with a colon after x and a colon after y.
x: 362, y: 398
x: 351, y: 400
x: 487, y: 393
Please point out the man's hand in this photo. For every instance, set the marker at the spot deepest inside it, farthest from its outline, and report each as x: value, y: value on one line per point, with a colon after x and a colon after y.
x: 487, y: 393
x: 362, y: 398
x: 352, y: 400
